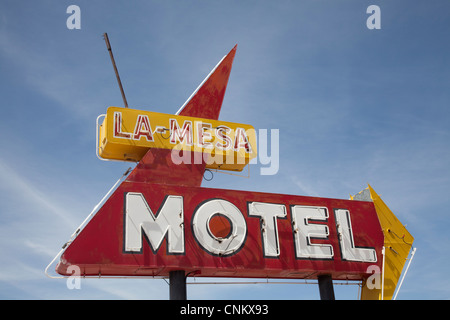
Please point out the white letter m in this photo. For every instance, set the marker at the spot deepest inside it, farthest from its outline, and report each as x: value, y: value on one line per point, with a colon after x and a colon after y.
x: 168, y: 222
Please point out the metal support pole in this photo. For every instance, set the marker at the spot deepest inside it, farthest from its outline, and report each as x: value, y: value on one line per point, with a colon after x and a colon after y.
x: 326, y: 287
x: 406, y: 271
x: 383, y: 252
x: 177, y: 285
x: 108, y: 46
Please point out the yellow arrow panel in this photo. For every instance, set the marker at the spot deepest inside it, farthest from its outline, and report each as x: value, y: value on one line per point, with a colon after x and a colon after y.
x: 397, y: 245
x: 127, y: 134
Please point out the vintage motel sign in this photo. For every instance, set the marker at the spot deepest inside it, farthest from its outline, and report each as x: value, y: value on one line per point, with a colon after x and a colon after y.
x: 160, y: 220
x: 152, y: 229
x: 127, y: 134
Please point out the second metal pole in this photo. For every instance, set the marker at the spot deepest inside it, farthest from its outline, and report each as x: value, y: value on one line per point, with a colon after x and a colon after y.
x: 177, y: 285
x: 326, y: 287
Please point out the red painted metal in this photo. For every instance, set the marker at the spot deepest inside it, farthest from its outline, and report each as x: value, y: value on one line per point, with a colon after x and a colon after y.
x: 99, y: 248
x: 157, y: 165
x: 207, y: 101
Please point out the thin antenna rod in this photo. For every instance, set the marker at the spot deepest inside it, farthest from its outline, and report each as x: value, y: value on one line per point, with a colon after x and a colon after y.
x: 105, y: 36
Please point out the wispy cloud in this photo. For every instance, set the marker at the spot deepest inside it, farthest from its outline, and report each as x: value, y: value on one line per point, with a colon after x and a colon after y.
x: 22, y: 190
x: 65, y: 81
x: 304, y: 187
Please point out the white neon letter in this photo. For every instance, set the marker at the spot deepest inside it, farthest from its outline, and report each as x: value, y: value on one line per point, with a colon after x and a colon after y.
x: 143, y: 128
x: 140, y: 218
x: 118, y: 127
x: 348, y: 249
x: 305, y: 230
x: 204, y: 133
x: 181, y: 135
x: 203, y: 234
x: 268, y: 214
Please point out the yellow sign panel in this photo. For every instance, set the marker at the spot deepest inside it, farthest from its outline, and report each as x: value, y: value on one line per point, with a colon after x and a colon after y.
x: 127, y: 134
x: 397, y: 245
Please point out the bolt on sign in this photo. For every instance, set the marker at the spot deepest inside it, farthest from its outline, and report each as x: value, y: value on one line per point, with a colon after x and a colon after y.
x: 127, y: 134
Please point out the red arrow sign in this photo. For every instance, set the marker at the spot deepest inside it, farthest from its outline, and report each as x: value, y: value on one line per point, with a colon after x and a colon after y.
x: 152, y: 229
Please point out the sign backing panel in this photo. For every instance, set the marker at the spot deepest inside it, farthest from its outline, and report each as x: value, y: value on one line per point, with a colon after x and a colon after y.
x: 152, y: 229
x: 127, y: 135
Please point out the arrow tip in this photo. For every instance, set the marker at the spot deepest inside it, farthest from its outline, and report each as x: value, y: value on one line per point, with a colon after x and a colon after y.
x: 206, y: 101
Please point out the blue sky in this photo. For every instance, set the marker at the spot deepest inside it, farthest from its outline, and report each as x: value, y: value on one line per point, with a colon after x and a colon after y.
x: 352, y: 105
